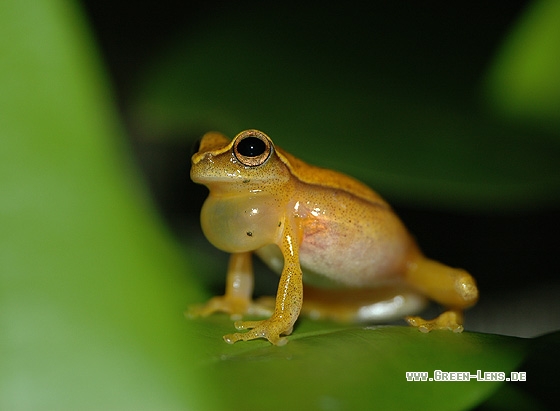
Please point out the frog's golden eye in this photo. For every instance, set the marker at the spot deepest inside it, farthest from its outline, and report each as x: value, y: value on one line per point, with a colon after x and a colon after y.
x: 252, y: 148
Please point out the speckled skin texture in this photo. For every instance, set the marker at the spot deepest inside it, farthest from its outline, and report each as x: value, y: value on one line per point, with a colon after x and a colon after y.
x: 304, y: 219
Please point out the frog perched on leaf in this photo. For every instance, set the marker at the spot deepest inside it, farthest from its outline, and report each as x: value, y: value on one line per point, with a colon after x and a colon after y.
x: 317, y: 226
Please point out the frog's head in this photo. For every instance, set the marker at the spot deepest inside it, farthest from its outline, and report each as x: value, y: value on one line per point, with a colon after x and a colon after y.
x: 249, y: 159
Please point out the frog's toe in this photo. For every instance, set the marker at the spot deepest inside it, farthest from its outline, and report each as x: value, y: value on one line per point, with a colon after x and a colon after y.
x: 253, y: 335
x: 200, y: 310
x: 246, y: 325
x: 236, y: 307
x: 269, y: 329
x: 449, y: 320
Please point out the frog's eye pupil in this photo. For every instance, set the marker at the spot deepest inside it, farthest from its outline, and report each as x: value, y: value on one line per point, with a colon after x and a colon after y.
x: 251, y: 147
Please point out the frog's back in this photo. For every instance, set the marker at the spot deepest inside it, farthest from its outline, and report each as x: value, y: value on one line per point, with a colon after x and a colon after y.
x: 323, y: 177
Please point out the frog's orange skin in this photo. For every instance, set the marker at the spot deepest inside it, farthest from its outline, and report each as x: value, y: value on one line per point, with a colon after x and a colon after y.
x: 321, y: 225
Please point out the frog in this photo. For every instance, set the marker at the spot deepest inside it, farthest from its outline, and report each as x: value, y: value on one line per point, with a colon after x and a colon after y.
x: 341, y: 251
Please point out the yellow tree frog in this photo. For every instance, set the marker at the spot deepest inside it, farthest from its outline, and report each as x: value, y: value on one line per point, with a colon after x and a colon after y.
x: 317, y: 226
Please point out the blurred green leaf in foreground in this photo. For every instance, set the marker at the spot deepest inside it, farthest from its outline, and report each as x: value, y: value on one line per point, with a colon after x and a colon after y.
x: 91, y: 287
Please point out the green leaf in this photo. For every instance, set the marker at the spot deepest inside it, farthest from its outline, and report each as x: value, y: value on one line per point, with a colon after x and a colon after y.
x: 325, y: 366
x: 92, y: 288
x: 336, y: 98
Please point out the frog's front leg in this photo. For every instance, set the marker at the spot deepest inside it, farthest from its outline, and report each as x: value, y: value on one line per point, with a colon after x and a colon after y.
x: 239, y: 288
x: 289, y: 300
x: 454, y: 288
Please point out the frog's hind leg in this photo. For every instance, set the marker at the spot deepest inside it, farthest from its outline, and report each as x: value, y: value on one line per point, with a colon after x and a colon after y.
x: 350, y: 305
x: 451, y: 287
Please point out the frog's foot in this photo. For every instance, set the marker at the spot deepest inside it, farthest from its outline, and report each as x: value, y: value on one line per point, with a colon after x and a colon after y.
x: 234, y: 306
x: 449, y: 320
x: 270, y: 329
